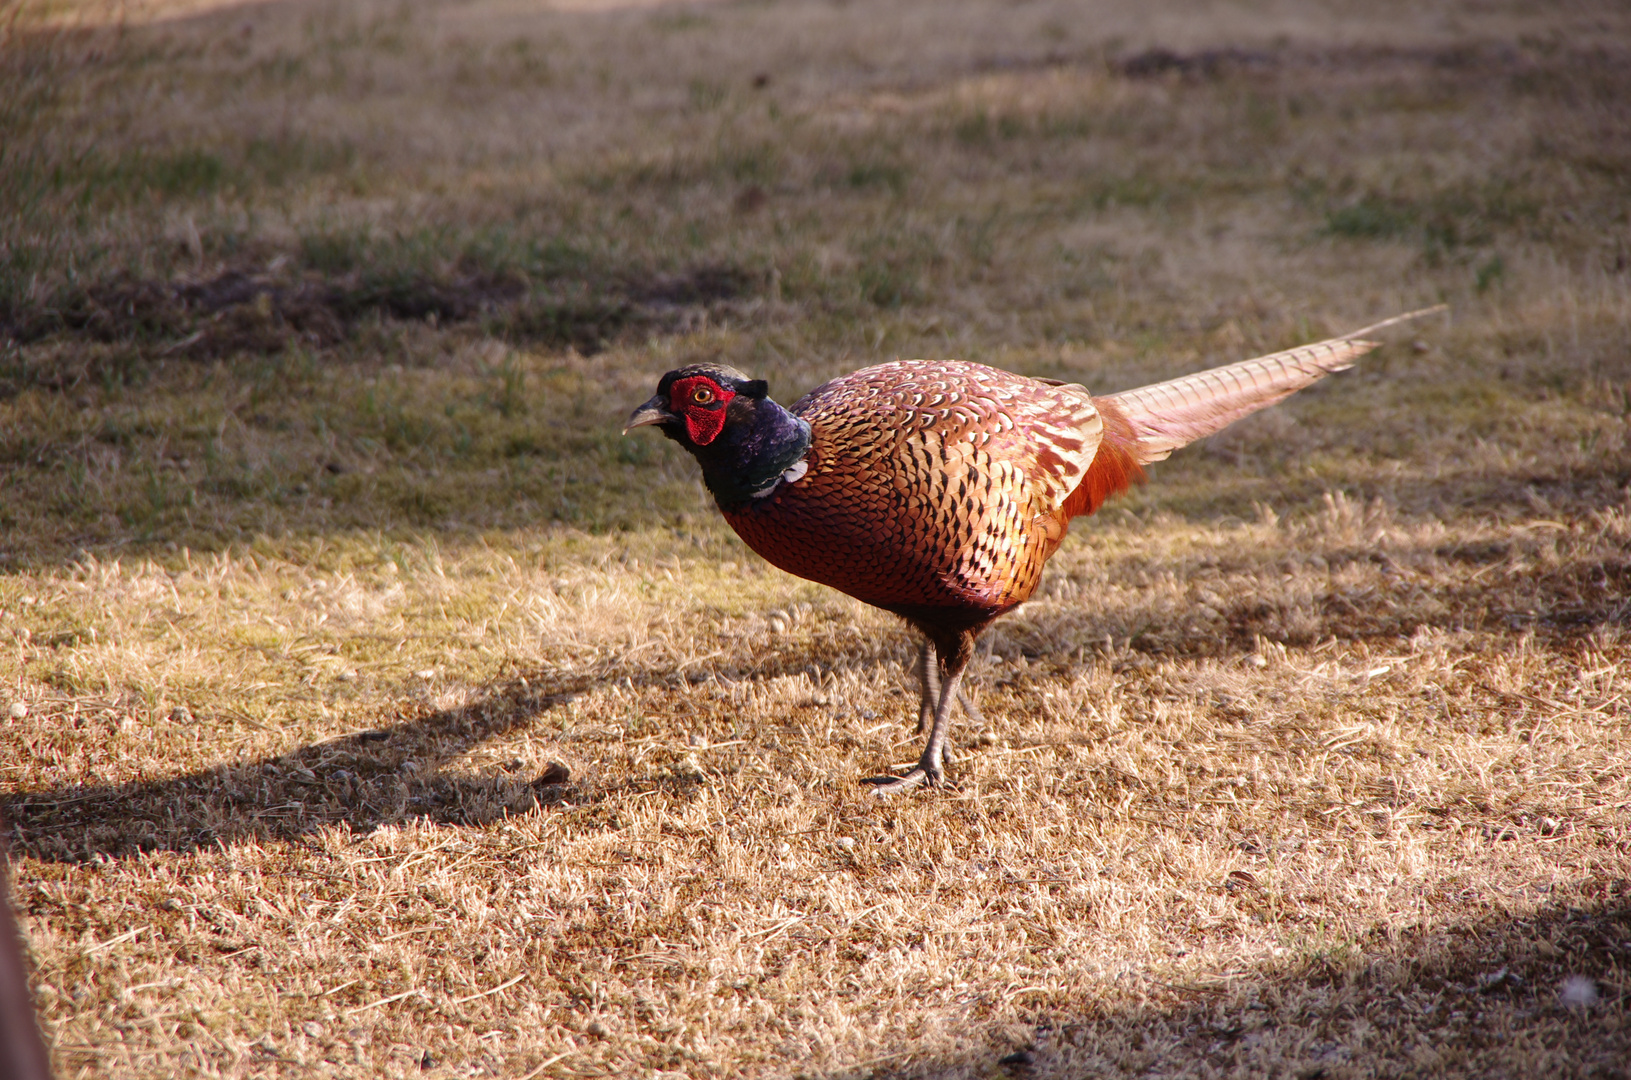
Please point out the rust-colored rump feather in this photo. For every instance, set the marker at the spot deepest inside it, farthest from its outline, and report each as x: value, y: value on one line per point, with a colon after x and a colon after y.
x: 1115, y: 467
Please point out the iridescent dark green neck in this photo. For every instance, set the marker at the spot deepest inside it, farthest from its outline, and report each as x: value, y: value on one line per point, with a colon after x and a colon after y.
x: 761, y: 441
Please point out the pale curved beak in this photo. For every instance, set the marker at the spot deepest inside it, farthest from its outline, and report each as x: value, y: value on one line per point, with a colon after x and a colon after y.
x: 654, y: 411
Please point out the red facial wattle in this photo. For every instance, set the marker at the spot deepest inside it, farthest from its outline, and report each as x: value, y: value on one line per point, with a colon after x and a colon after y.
x: 701, y: 402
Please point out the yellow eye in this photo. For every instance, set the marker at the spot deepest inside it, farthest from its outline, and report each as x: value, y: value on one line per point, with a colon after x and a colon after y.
x: 702, y: 395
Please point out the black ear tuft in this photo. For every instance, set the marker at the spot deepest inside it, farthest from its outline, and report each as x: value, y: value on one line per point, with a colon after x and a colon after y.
x: 757, y: 388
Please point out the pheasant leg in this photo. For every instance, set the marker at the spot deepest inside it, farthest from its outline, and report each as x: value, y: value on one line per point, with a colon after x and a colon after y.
x: 928, y: 674
x: 929, y: 767
x: 974, y: 714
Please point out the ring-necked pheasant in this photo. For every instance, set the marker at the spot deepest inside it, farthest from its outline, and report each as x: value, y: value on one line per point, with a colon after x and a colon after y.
x: 937, y: 489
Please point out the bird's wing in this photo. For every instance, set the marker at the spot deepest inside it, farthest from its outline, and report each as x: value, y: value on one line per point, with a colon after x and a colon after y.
x: 977, y: 463
x: 1047, y: 431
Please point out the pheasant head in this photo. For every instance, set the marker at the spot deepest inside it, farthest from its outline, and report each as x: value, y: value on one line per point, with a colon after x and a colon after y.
x: 743, y: 440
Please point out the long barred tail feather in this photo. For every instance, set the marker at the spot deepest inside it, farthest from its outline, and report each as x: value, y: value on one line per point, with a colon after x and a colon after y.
x: 1175, y: 413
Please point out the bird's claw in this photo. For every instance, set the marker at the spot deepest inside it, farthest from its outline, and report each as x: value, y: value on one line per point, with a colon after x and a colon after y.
x: 885, y: 786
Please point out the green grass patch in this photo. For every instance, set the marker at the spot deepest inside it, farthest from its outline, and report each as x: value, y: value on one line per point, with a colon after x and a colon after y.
x: 1442, y: 221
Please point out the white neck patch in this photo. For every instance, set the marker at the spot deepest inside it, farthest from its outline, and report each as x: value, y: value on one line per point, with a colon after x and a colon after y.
x: 793, y: 475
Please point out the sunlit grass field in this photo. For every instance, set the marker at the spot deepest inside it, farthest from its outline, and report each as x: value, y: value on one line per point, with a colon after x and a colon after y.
x: 372, y: 707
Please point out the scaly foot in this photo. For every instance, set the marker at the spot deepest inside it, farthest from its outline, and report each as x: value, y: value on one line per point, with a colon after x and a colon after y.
x: 928, y: 771
x: 885, y: 786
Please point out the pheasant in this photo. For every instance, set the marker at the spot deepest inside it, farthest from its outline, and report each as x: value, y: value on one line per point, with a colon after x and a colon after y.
x: 937, y: 489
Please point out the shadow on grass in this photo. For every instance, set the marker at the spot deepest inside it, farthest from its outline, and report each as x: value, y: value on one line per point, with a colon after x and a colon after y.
x: 1484, y: 998
x: 1538, y: 995
x: 363, y: 780
x: 1511, y: 997
x: 392, y: 773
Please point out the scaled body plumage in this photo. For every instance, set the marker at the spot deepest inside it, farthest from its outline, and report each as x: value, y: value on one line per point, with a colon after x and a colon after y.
x: 939, y: 500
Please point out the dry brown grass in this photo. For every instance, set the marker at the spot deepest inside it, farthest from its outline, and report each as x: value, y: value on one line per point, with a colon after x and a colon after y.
x: 375, y: 710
